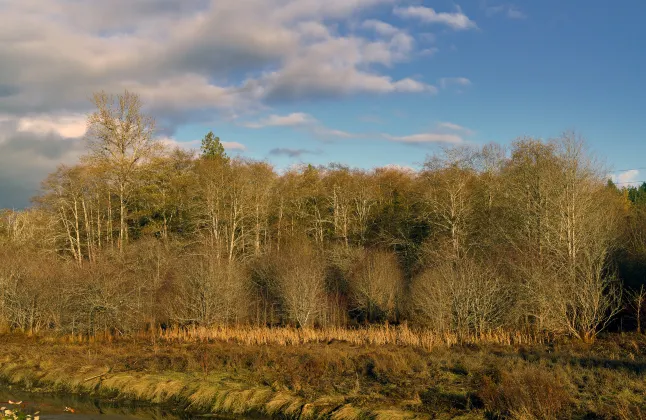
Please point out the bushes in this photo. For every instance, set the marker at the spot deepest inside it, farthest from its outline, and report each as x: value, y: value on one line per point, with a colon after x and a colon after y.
x: 461, y: 296
x: 376, y: 285
x: 156, y: 283
x: 526, y: 393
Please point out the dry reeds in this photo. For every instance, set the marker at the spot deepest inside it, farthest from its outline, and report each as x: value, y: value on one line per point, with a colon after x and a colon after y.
x: 383, y: 334
x: 400, y: 335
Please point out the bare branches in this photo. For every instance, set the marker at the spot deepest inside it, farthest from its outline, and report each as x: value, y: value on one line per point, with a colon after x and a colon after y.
x: 480, y: 239
x: 120, y: 138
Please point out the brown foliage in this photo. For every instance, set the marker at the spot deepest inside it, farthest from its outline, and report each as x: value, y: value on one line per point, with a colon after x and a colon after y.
x: 529, y: 393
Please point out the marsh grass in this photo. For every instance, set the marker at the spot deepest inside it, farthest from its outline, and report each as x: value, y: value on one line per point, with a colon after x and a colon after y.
x: 399, y: 335
x: 372, y: 373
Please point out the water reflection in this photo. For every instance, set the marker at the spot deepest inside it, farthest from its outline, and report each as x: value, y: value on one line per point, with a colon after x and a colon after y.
x: 74, y: 407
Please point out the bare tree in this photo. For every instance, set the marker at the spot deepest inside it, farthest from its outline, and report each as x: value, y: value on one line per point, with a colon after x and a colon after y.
x: 562, y: 225
x: 463, y: 296
x: 302, y: 282
x: 120, y: 138
x: 212, y: 291
x: 376, y: 284
x: 636, y: 301
x: 449, y: 196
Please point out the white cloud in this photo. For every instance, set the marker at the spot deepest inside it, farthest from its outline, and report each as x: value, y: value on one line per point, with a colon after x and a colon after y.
x: 382, y: 28
x: 314, y: 30
x: 450, y: 126
x: 424, y: 138
x: 427, y: 37
x: 509, y: 10
x: 325, y: 132
x: 429, y: 51
x: 182, y: 56
x: 626, y: 177
x: 233, y: 145
x: 456, y: 20
x: 191, y: 61
x: 513, y: 13
x: 445, y: 82
x: 445, y: 125
x: 410, y: 85
x: 339, y: 67
x: 399, y: 168
x: 300, y: 120
x: 291, y: 120
x: 68, y: 126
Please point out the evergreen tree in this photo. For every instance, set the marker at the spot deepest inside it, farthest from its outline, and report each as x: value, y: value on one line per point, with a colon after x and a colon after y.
x: 212, y: 148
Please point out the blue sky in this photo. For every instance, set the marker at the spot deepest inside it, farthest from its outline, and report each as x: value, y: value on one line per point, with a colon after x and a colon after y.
x: 362, y: 82
x: 555, y: 66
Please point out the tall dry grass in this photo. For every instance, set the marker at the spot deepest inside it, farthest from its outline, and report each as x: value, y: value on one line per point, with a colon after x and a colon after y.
x: 400, y: 335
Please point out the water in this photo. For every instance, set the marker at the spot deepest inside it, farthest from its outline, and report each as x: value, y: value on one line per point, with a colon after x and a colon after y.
x: 53, y: 406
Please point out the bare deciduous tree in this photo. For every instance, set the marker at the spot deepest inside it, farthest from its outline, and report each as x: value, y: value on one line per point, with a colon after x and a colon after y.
x: 120, y: 138
x: 463, y: 296
x: 637, y: 299
x: 376, y: 284
x: 302, y: 282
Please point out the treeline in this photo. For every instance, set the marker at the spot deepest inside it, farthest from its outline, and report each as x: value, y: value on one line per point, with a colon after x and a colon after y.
x: 136, y: 236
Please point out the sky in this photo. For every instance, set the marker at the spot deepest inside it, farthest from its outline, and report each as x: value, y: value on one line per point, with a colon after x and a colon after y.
x: 365, y: 83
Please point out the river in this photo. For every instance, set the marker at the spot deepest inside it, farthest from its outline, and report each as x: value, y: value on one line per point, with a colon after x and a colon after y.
x: 75, y: 407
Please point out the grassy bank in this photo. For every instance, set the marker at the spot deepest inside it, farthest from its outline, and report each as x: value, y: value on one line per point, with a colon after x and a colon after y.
x: 326, y: 377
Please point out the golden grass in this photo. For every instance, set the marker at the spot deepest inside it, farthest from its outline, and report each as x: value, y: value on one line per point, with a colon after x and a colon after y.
x: 373, y: 372
x: 400, y: 335
x: 348, y: 412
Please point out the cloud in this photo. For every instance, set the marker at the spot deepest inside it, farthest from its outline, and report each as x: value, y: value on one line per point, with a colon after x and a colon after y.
x: 429, y: 51
x: 445, y: 125
x: 338, y: 68
x: 300, y: 120
x: 515, y: 14
x: 427, y: 37
x: 446, y: 82
x: 191, y: 62
x: 410, y: 85
x: 183, y: 56
x: 399, y: 168
x: 27, y: 157
x: 426, y: 138
x: 68, y: 126
x: 508, y: 10
x: 456, y: 20
x: 380, y: 27
x: 626, y: 177
x: 326, y: 133
x: 291, y: 120
x: 292, y: 153
x: 233, y: 145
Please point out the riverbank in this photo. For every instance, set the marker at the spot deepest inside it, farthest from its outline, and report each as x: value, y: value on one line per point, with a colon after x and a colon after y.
x: 344, y: 380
